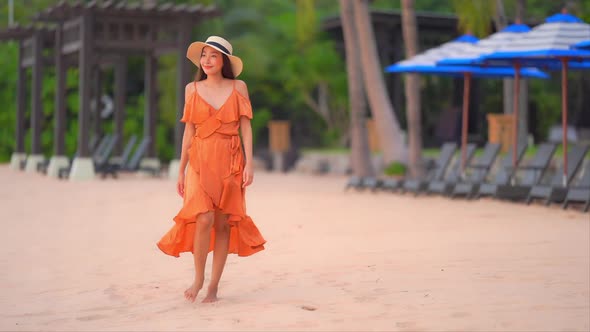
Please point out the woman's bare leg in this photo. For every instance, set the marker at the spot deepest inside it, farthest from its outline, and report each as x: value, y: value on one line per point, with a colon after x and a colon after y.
x: 219, y: 255
x: 200, y: 251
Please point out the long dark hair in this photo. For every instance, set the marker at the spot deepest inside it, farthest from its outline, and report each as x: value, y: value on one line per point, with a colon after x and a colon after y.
x: 226, y: 70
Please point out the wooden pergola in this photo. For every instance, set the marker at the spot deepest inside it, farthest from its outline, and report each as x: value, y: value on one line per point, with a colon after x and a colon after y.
x: 92, y: 36
x: 33, y: 43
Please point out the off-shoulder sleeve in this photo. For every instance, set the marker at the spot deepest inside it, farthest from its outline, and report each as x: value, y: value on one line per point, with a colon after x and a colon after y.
x: 189, y: 105
x: 244, y: 106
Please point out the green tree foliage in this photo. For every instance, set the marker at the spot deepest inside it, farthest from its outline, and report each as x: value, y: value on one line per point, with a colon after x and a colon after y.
x: 475, y: 16
x: 287, y: 59
x: 8, y: 70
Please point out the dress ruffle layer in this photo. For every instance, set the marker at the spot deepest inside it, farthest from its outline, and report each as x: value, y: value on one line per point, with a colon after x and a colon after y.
x: 213, y: 179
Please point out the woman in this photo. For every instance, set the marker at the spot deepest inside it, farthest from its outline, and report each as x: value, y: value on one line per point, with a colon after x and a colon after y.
x: 213, y: 216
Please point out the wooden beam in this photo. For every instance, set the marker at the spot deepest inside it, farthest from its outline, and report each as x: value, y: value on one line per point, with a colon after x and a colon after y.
x: 120, y: 96
x: 37, y: 105
x: 60, y: 103
x: 21, y: 103
x: 85, y: 67
x: 133, y: 45
x: 96, y: 94
x: 149, y: 124
x: 165, y: 51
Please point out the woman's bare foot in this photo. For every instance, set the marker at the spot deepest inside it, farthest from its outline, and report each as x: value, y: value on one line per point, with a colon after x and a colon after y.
x: 191, y: 293
x: 211, y: 295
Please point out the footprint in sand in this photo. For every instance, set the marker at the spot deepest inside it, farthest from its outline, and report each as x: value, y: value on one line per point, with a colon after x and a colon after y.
x: 91, y: 317
x: 364, y: 299
x: 460, y: 314
x: 280, y: 276
x: 406, y: 325
x: 114, y: 293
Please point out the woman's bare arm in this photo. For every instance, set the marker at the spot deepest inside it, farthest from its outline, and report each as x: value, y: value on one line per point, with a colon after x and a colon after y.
x: 189, y: 132
x: 246, y: 132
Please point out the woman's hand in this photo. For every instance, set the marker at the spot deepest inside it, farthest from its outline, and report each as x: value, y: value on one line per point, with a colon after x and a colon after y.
x: 180, y: 184
x: 248, y: 175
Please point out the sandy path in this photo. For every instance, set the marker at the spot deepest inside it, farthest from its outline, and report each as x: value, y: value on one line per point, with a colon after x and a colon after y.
x: 82, y: 256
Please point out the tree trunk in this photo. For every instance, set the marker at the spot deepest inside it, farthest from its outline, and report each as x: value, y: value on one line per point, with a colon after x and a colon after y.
x: 388, y: 129
x: 412, y: 89
x: 360, y: 156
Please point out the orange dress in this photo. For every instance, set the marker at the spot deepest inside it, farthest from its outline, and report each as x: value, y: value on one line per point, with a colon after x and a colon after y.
x: 213, y: 177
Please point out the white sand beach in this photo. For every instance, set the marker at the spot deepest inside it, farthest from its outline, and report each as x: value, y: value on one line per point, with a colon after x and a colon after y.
x: 83, y: 257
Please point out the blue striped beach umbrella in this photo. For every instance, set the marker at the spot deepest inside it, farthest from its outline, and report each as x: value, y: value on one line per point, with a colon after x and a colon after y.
x: 548, y: 46
x: 428, y: 62
x: 583, y: 45
x: 471, y: 55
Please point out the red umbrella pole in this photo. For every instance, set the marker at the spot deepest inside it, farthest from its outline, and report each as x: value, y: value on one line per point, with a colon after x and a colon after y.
x: 564, y: 64
x: 466, y: 89
x: 515, y: 114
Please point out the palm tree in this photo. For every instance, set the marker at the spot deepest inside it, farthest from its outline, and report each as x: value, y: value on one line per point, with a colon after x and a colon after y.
x: 388, y: 129
x: 475, y: 15
x: 412, y: 90
x: 360, y: 156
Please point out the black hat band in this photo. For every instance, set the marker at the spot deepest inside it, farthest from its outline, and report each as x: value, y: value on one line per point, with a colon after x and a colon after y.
x: 221, y: 47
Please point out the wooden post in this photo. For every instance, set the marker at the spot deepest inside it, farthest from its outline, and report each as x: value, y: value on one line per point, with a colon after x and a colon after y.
x: 120, y: 95
x: 465, y: 120
x: 96, y: 94
x: 564, y: 67
x: 21, y: 104
x: 280, y: 142
x: 59, y: 159
x: 85, y: 67
x: 83, y: 165
x: 37, y: 105
x: 515, y: 114
x: 149, y: 124
x: 182, y: 78
x: 18, y: 158
x: 60, y: 105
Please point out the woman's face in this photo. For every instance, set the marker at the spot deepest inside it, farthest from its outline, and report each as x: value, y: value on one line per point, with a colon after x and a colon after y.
x: 211, y: 61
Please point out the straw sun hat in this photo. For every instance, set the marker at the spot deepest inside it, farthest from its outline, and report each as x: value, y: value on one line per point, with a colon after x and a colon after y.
x: 218, y: 43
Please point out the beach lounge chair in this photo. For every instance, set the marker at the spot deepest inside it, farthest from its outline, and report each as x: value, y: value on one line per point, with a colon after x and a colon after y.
x: 394, y: 184
x: 117, y: 163
x: 580, y: 191
x: 42, y: 167
x: 501, y: 177
x: 99, y: 157
x: 372, y: 183
x: 478, y: 171
x: 556, y: 190
x: 134, y: 163
x: 445, y: 185
x: 524, y: 177
x: 360, y: 183
x: 442, y: 163
x: 355, y: 182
